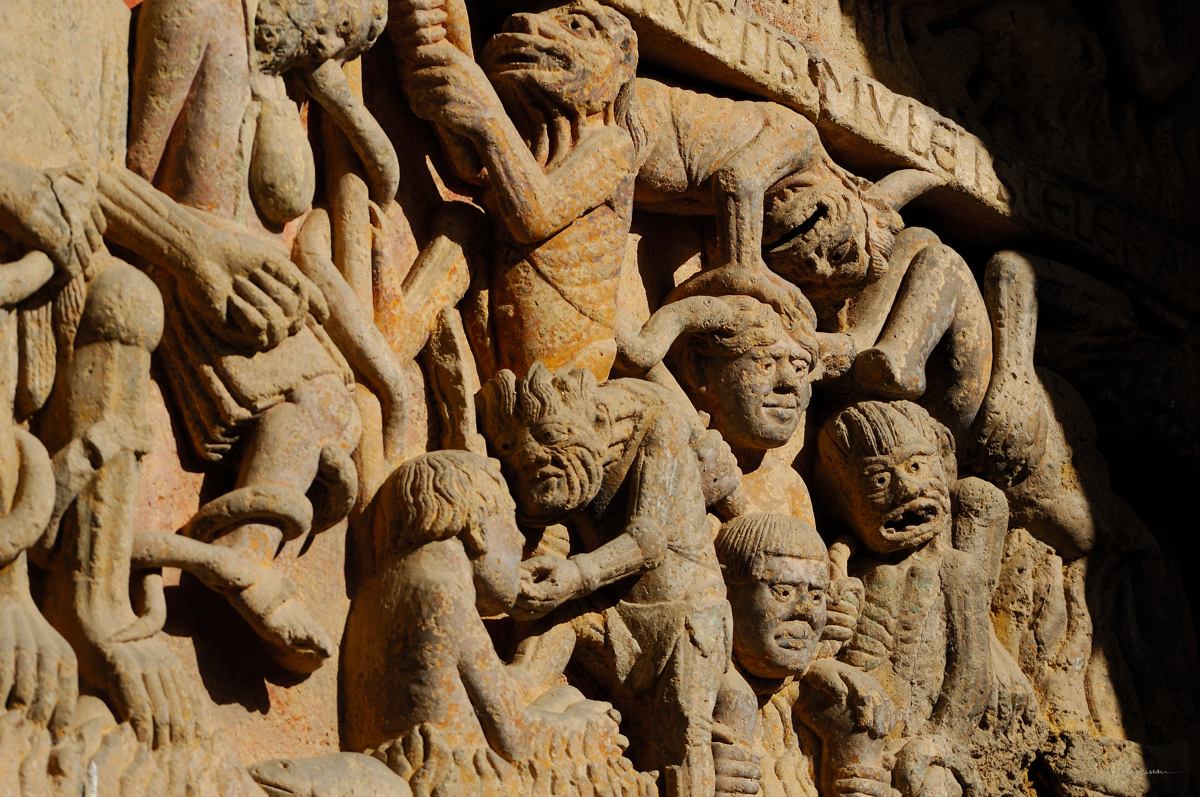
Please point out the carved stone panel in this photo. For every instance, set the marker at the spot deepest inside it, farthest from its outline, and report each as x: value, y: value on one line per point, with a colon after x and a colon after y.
x: 598, y: 398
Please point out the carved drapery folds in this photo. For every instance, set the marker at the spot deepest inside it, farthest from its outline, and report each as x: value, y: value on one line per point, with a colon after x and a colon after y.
x: 619, y: 398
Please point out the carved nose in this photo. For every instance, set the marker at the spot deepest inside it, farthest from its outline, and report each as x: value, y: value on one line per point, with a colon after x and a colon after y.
x: 521, y: 23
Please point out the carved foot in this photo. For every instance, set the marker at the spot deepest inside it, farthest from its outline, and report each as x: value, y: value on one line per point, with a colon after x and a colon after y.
x: 295, y: 640
x: 887, y: 375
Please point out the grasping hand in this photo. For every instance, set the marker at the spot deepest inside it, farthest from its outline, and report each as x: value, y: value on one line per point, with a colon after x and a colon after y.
x: 547, y: 582
x: 447, y: 87
x: 53, y: 211
x: 256, y: 293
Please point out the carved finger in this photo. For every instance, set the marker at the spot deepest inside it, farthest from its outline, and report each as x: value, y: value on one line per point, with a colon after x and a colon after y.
x: 160, y: 707
x: 747, y: 770
x: 861, y: 787
x: 425, y: 18
x: 133, y: 701
x: 170, y: 681
x: 46, y: 696
x: 68, y: 691
x: 727, y: 785
x: 248, y: 320
x: 8, y: 653
x: 277, y: 323
x: 401, y: 9
x: 25, y: 681
x: 315, y: 299
x: 289, y: 300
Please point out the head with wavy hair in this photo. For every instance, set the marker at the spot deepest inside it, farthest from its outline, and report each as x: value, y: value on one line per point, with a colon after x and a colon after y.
x: 542, y: 428
x: 887, y: 468
x: 446, y: 495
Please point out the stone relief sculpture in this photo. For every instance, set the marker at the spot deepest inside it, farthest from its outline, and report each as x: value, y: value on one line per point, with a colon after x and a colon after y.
x: 659, y: 454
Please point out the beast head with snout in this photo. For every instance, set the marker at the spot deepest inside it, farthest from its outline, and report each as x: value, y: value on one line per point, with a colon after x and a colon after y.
x: 571, y: 60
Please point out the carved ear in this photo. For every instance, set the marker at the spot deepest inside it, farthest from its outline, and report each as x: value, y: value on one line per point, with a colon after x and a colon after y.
x: 899, y: 188
x: 473, y: 541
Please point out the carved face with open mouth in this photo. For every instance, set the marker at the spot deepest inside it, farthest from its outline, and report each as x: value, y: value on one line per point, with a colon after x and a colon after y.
x: 899, y: 499
x: 815, y: 237
x: 577, y: 56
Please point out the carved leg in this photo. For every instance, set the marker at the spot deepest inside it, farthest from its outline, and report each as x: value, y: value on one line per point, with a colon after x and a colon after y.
x: 939, y: 303
x: 681, y: 747
x: 318, y: 424
x: 1009, y: 438
x: 95, y: 425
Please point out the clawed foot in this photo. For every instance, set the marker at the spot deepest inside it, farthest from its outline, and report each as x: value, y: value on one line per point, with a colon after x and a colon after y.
x: 879, y: 371
x: 295, y: 640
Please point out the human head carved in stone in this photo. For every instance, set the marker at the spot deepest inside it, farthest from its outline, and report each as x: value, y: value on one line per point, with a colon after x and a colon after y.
x: 750, y: 374
x: 830, y: 232
x: 888, y: 468
x: 558, y: 66
x: 776, y: 569
x: 542, y: 428
x: 292, y: 33
x: 446, y: 494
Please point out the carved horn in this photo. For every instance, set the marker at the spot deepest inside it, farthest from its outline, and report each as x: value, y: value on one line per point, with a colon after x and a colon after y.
x: 900, y: 188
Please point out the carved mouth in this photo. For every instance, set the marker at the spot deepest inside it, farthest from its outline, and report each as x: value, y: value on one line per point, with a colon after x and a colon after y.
x: 796, y: 637
x: 784, y: 402
x: 917, y: 518
x: 508, y: 52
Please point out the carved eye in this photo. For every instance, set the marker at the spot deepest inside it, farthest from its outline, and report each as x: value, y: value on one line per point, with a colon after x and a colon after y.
x: 549, y: 434
x: 880, y: 480
x: 801, y: 365
x: 914, y: 467
x: 842, y: 253
x: 504, y: 447
x: 783, y: 592
x: 816, y: 595
x: 581, y: 25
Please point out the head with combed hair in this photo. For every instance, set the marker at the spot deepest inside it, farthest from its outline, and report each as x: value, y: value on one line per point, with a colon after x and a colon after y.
x: 776, y: 570
x: 751, y: 376
x: 887, y: 468
x: 542, y: 428
x: 746, y: 542
x: 444, y: 495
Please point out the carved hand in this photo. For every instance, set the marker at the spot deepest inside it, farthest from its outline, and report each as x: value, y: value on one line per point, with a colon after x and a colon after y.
x: 738, y: 770
x: 52, y: 211
x: 754, y: 280
x: 1008, y: 439
x: 547, y: 582
x: 873, y: 709
x: 255, y: 296
x: 38, y: 671
x: 447, y: 87
x: 845, y: 599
